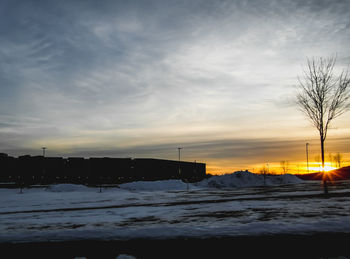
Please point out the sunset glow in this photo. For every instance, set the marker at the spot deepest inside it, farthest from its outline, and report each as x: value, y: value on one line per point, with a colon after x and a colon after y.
x: 273, y: 168
x: 319, y: 168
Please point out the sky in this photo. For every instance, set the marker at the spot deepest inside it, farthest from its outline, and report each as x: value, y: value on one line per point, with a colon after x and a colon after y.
x: 142, y: 78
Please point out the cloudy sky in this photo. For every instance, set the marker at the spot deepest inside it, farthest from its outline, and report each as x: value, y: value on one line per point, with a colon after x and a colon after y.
x: 141, y: 78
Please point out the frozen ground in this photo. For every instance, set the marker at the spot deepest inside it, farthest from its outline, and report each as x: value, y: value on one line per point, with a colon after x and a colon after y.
x: 217, y: 207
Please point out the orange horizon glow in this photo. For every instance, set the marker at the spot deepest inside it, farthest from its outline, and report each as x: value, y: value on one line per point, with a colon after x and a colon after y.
x: 326, y: 168
x: 275, y: 168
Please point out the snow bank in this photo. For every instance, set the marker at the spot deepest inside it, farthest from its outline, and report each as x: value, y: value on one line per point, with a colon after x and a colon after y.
x: 247, y: 179
x: 234, y: 180
x: 67, y: 188
x: 165, y: 185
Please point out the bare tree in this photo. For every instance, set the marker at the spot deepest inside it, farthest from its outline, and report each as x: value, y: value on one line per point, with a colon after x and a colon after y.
x: 338, y: 159
x: 318, y: 160
x: 323, y: 96
x: 285, y: 166
x: 330, y: 158
x: 264, y: 171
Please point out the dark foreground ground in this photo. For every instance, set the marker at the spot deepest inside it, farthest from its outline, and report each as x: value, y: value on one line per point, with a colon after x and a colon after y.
x: 319, y: 245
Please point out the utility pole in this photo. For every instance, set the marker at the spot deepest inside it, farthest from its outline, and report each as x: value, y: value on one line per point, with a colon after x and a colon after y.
x: 307, y: 157
x: 44, y: 148
x: 266, y: 171
x: 44, y: 169
x: 179, y: 148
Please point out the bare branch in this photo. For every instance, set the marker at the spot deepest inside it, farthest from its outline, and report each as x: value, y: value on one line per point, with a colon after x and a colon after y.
x: 322, y: 96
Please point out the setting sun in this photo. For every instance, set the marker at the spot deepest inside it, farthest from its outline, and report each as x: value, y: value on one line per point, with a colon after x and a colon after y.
x: 318, y: 168
x: 328, y: 168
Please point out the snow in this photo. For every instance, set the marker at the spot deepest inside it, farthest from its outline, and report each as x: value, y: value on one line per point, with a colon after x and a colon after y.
x: 227, y: 205
x: 166, y: 185
x: 248, y: 179
x: 67, y: 188
x: 235, y: 180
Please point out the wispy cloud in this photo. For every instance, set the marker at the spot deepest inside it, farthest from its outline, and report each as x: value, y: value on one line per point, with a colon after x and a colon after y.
x: 92, y: 73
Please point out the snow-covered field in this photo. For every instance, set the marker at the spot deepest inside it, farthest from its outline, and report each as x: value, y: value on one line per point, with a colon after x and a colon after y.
x: 231, y: 205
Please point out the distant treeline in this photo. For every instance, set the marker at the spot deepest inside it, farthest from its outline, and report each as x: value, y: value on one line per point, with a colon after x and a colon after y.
x: 29, y: 170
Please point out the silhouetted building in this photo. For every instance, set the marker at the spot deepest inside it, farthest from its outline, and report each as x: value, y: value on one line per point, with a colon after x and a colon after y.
x: 43, y: 170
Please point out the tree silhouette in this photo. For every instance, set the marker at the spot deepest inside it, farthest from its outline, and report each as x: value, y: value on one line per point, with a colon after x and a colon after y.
x: 322, y: 96
x: 285, y: 166
x: 338, y: 159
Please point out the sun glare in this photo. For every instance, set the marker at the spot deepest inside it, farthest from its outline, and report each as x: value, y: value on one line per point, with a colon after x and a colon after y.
x: 318, y: 168
x: 329, y: 168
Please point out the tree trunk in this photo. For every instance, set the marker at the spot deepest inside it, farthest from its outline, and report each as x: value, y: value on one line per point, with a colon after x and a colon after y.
x: 322, y: 151
x: 325, y: 187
